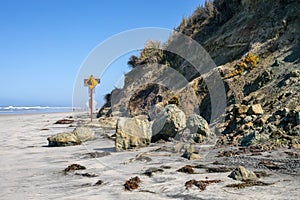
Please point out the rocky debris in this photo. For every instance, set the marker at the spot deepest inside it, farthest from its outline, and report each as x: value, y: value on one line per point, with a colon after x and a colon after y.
x: 132, y: 183
x: 149, y: 172
x: 74, y: 167
x: 285, y: 165
x: 241, y: 173
x: 76, y: 137
x: 251, y: 126
x: 202, y: 184
x: 255, y: 110
x: 253, y: 138
x: 186, y: 169
x: 168, y: 124
x: 64, y: 121
x: 252, y: 150
x: 132, y: 133
x: 248, y: 183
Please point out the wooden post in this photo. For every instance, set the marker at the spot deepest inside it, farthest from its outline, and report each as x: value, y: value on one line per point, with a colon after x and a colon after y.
x: 91, y: 103
x: 91, y: 83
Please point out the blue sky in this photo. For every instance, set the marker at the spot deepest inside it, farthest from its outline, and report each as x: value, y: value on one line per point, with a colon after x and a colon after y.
x: 43, y: 43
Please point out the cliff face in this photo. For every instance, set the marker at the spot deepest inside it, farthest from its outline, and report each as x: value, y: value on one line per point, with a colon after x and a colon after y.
x: 228, y: 30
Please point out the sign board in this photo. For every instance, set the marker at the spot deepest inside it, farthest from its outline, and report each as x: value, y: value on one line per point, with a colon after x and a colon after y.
x: 91, y: 82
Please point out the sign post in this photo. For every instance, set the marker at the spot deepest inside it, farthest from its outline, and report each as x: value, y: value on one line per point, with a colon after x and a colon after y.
x: 91, y: 83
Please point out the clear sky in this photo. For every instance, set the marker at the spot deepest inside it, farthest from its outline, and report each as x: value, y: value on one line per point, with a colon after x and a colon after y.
x: 43, y: 43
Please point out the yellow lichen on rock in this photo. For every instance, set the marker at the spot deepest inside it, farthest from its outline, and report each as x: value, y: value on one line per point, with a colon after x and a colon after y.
x: 247, y: 63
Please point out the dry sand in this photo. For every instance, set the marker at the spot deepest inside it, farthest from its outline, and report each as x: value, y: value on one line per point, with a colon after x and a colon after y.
x: 30, y: 170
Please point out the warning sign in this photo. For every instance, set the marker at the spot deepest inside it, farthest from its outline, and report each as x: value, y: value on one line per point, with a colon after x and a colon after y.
x: 91, y: 82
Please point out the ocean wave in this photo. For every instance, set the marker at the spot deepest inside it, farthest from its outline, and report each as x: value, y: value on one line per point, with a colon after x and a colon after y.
x: 33, y: 108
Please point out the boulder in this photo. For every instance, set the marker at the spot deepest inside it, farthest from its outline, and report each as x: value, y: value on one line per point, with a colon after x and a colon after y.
x: 132, y: 133
x: 168, y: 123
x: 84, y: 133
x: 241, y: 173
x: 197, y: 124
x: 63, y: 139
x: 76, y: 137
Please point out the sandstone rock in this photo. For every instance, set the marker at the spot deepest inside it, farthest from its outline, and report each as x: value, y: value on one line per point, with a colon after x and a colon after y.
x: 197, y: 124
x: 63, y: 139
x: 84, y: 133
x: 168, y: 123
x: 108, y: 122
x: 79, y: 135
x: 132, y: 133
x: 241, y: 173
x: 255, y: 109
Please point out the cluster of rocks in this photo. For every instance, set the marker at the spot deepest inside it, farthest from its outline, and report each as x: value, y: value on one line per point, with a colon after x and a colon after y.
x: 171, y: 122
x: 249, y: 125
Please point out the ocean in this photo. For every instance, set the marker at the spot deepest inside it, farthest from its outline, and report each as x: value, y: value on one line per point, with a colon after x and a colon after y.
x: 4, y: 110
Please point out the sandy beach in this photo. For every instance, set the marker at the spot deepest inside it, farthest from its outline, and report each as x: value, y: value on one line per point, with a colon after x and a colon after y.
x: 31, y: 170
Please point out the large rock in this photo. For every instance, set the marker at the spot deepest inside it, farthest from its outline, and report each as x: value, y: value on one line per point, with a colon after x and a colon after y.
x: 197, y: 124
x: 63, y: 139
x: 241, y: 173
x: 84, y: 133
x: 168, y: 123
x: 76, y: 137
x: 132, y: 133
